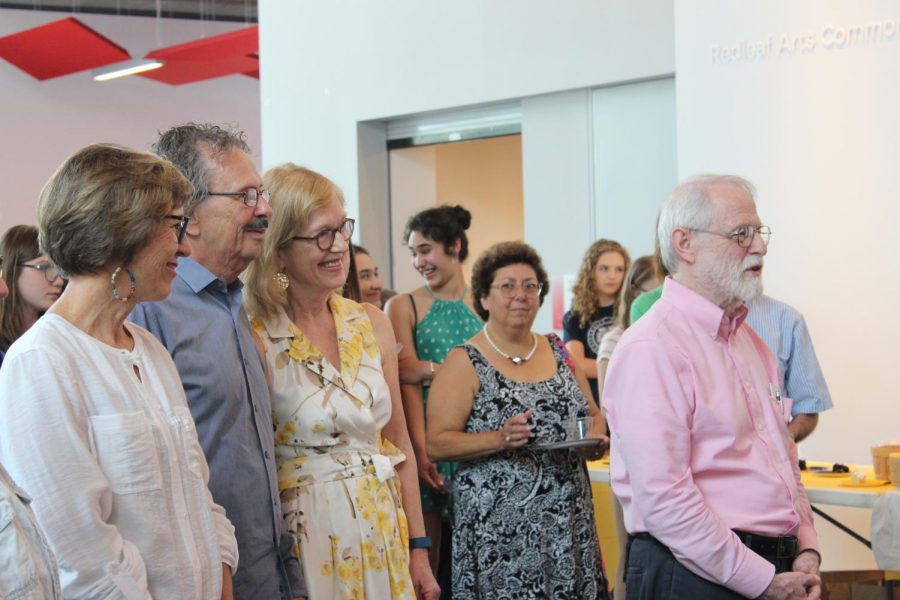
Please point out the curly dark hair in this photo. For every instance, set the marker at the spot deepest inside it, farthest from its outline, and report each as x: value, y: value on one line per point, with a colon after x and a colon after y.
x: 502, y: 255
x: 444, y: 224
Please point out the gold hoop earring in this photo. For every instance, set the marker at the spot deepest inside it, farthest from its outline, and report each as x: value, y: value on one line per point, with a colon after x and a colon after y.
x: 281, y: 279
x: 115, y: 291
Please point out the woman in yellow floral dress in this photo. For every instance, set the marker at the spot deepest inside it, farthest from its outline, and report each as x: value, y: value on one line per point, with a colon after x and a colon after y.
x: 346, y: 470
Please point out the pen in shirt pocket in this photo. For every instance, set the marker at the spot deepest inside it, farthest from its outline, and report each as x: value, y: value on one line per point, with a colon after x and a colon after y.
x: 776, y: 395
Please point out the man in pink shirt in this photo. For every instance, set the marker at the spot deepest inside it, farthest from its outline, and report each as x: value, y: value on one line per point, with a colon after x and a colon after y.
x: 701, y: 458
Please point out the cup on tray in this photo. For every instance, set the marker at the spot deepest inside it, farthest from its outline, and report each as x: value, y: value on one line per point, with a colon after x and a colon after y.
x: 581, y: 428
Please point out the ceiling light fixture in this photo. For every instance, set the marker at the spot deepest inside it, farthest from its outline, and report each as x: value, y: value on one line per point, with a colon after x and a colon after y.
x: 125, y: 68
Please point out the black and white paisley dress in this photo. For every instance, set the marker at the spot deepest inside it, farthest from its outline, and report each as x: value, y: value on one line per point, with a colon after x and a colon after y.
x: 523, y: 524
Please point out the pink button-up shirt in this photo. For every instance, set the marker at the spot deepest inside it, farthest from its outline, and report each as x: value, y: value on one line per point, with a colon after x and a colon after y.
x: 699, y: 442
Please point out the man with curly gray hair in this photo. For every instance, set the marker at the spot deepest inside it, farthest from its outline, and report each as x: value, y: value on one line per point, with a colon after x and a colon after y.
x: 205, y: 328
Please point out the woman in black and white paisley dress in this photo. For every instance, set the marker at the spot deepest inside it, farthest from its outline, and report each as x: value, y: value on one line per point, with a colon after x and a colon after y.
x: 523, y: 523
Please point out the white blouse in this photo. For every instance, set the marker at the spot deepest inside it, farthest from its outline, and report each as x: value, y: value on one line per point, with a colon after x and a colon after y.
x: 103, y: 441
x: 27, y: 566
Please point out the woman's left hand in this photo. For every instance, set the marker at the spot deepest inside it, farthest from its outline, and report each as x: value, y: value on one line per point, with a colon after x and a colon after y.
x: 595, y: 452
x: 423, y: 579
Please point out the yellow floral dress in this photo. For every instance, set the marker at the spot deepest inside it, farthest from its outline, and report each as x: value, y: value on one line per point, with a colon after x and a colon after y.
x: 340, y: 493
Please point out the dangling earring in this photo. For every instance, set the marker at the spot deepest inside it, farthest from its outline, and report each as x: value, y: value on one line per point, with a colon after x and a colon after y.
x: 115, y: 291
x: 282, y: 280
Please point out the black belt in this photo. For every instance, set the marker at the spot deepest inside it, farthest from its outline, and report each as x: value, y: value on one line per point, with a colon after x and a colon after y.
x: 780, y: 550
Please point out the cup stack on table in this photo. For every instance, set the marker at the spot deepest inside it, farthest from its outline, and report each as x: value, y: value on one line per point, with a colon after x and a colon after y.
x: 894, y: 463
x: 881, y: 460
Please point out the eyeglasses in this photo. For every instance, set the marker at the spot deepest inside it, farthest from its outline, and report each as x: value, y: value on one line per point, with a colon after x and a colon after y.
x: 532, y: 289
x: 325, y: 238
x: 250, y: 196
x: 51, y: 272
x: 743, y: 235
x: 181, y: 227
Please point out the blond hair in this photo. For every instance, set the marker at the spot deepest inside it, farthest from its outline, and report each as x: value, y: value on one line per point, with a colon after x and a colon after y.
x: 295, y: 192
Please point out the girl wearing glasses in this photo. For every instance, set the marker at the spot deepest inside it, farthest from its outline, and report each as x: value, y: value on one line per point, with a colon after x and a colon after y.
x: 346, y: 469
x: 595, y: 300
x: 34, y: 283
x: 503, y: 405
x: 429, y: 322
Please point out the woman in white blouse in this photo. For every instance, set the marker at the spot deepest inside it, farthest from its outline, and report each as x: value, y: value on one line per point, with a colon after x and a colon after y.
x: 93, y: 420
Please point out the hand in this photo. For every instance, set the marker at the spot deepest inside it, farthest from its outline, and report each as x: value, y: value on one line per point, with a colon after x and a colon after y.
x: 809, y: 562
x: 515, y: 431
x: 428, y: 473
x: 422, y: 577
x: 788, y: 586
x: 595, y: 452
x: 429, y: 370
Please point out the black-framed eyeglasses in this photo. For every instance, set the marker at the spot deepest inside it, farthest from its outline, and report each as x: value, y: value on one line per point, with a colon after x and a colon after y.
x: 50, y: 271
x: 250, y: 196
x: 507, y: 289
x: 181, y: 227
x: 325, y: 238
x: 744, y: 234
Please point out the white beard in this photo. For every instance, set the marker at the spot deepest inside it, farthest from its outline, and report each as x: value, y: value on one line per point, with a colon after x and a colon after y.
x: 731, y: 283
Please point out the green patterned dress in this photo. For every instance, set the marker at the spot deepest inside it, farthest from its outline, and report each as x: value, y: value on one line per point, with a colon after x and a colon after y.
x: 447, y: 324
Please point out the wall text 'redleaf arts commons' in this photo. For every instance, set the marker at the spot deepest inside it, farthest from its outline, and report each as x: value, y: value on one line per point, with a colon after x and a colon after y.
x: 830, y: 37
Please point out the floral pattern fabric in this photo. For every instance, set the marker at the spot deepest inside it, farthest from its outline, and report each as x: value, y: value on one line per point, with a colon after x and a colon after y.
x: 523, y: 518
x: 339, y: 491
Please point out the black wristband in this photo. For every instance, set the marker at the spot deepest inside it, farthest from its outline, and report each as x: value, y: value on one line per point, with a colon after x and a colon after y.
x: 417, y: 543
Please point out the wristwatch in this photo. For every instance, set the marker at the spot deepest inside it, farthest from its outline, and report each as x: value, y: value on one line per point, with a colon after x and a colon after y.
x: 420, y: 542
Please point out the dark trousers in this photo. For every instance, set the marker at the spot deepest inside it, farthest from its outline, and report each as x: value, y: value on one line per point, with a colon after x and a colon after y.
x: 654, y: 574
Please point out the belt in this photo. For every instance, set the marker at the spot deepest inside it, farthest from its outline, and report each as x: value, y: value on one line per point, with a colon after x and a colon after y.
x: 780, y: 550
x: 782, y: 546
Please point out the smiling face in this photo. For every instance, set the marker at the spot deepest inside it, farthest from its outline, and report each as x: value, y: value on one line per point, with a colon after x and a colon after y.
x: 310, y: 268
x: 154, y: 264
x: 431, y: 260
x: 225, y: 233
x: 369, y: 280
x: 35, y: 290
x: 609, y: 273
x: 520, y: 309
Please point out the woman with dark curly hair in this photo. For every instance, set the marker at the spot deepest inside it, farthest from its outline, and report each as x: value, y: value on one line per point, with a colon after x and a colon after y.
x: 34, y: 283
x: 503, y: 405
x: 429, y: 322
x: 595, y: 300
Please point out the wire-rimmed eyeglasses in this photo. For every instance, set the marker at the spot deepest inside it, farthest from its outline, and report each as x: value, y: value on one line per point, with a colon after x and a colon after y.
x: 744, y: 234
x: 508, y: 289
x: 250, y: 196
x: 325, y: 238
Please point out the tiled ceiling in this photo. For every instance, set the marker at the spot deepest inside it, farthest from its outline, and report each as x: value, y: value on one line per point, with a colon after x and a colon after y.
x: 244, y: 11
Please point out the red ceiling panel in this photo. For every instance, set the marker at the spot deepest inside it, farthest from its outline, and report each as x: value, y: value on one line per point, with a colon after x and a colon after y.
x: 225, y: 54
x: 59, y: 48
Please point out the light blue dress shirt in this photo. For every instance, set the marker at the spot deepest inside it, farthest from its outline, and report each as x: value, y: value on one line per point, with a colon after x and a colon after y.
x: 784, y: 330
x: 204, y: 327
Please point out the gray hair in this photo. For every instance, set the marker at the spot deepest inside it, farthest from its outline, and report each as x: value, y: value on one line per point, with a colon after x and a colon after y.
x: 689, y: 206
x: 189, y: 147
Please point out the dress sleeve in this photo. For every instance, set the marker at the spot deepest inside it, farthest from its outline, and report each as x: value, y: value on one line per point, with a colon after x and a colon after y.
x: 45, y: 444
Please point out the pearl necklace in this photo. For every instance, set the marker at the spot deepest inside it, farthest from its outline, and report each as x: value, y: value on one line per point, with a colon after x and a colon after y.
x: 516, y: 360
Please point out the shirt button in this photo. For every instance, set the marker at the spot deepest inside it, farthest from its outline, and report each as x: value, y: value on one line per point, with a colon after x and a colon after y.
x: 761, y: 427
x: 267, y: 453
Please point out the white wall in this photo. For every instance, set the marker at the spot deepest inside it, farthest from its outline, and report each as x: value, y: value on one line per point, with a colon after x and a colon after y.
x: 43, y: 122
x: 634, y: 159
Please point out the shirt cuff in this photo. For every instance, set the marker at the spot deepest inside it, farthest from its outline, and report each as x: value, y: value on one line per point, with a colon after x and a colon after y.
x: 753, y: 577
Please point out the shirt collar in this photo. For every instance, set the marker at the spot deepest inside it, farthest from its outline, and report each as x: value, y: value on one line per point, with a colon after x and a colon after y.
x: 708, y: 316
x: 342, y: 311
x: 199, y: 277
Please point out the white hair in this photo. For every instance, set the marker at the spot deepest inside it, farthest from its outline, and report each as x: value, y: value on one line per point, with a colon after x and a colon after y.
x: 689, y: 206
